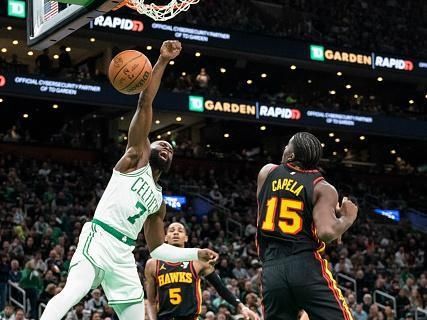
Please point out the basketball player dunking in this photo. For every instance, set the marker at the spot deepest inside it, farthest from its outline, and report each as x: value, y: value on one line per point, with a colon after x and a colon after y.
x: 132, y: 200
x: 298, y: 212
x: 173, y: 289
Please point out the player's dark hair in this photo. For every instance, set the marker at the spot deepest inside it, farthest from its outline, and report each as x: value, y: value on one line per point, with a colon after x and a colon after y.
x: 184, y: 225
x: 308, y: 150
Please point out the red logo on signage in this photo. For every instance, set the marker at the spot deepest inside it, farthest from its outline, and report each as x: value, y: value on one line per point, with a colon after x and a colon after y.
x: 409, y: 65
x: 137, y: 26
x: 2, y: 81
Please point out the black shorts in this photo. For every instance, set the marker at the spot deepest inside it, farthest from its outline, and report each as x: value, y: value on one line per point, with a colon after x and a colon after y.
x: 302, y: 281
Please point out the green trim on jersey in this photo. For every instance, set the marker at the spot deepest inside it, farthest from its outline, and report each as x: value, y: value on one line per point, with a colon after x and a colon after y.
x: 114, y: 232
x: 86, y: 248
x: 135, y: 173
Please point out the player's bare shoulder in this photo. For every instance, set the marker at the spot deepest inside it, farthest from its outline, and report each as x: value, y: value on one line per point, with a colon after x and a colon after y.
x: 150, y: 267
x: 324, y: 188
x: 263, y: 173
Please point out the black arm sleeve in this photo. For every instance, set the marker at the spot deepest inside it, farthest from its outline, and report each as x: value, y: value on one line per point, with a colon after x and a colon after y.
x: 219, y: 286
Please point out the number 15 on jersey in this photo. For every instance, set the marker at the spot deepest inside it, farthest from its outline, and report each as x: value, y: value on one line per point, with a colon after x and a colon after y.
x: 289, y: 220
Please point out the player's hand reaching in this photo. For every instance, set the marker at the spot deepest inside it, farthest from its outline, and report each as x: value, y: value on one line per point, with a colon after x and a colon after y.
x: 207, y: 255
x: 348, y: 209
x: 170, y: 49
x: 248, y: 313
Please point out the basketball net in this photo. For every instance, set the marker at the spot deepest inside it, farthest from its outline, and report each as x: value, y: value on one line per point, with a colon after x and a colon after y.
x: 157, y: 12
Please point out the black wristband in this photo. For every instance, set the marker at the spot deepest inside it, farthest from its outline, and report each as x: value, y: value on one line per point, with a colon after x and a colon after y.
x: 219, y: 286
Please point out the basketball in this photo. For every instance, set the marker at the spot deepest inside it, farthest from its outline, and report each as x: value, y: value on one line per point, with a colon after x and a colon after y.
x: 130, y: 72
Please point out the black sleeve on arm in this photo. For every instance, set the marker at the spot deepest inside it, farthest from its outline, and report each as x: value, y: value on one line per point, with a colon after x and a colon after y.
x: 219, y: 286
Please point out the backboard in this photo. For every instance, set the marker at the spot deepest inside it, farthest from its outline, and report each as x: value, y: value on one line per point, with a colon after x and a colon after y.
x: 49, y: 21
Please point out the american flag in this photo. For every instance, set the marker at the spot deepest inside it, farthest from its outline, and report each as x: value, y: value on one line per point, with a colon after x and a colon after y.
x: 50, y: 9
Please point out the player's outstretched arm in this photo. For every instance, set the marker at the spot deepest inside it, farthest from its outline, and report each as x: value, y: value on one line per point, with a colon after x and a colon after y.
x: 140, y: 126
x: 151, y: 288
x: 154, y: 231
x: 330, y: 227
x: 208, y: 271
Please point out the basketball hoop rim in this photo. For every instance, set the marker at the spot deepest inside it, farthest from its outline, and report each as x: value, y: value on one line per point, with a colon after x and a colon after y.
x: 131, y: 5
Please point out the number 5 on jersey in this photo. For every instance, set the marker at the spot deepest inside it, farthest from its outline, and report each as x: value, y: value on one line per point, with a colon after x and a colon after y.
x: 289, y: 221
x: 175, y: 296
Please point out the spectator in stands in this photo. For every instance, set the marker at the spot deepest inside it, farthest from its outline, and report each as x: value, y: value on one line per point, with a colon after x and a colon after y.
x: 367, y: 302
x: 32, y: 283
x: 202, y: 79
x: 64, y: 59
x: 375, y: 313
x: 359, y: 313
x: 400, y: 257
x: 95, y: 315
x: 409, y: 316
x: 8, y: 313
x: 12, y: 135
x: 210, y: 315
x: 4, y: 278
x: 239, y: 272
x: 351, y: 301
x: 44, y: 63
x: 16, y: 251
x: 253, y: 302
x: 78, y: 313
x: 15, y: 272
x: 44, y: 170
x: 216, y: 195
x: 20, y: 315
x: 97, y: 302
x: 108, y: 312
x: 48, y: 293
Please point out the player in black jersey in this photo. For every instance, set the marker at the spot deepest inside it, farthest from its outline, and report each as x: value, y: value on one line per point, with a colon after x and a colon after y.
x: 173, y: 289
x: 298, y: 212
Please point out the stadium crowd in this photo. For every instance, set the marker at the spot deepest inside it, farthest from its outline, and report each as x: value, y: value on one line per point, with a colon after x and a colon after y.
x: 382, y: 26
x: 43, y: 206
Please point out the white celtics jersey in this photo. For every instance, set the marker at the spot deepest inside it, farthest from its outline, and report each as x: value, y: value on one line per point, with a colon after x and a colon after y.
x: 128, y: 200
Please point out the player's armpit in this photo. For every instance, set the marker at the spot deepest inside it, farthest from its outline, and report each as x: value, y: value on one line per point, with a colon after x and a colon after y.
x: 324, y: 217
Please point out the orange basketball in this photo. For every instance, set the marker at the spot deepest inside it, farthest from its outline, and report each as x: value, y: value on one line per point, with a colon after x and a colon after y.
x: 130, y: 72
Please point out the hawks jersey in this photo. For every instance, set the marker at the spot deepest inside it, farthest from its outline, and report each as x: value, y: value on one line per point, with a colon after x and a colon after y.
x: 179, y: 290
x: 285, y: 213
x: 128, y: 200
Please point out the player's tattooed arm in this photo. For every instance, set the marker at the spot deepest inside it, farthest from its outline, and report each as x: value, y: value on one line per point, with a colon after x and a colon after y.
x: 138, y: 144
x: 208, y: 272
x: 151, y: 288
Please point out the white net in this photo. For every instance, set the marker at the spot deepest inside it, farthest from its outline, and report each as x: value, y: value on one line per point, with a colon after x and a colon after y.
x: 161, y: 13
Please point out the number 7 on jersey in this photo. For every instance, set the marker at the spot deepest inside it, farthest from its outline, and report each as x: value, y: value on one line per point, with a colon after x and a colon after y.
x: 289, y: 221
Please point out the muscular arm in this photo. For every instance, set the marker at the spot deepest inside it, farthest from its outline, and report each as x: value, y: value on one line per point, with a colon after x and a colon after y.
x: 151, y: 288
x: 138, y: 148
x: 329, y: 227
x: 140, y: 125
x: 208, y: 272
x: 154, y: 231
